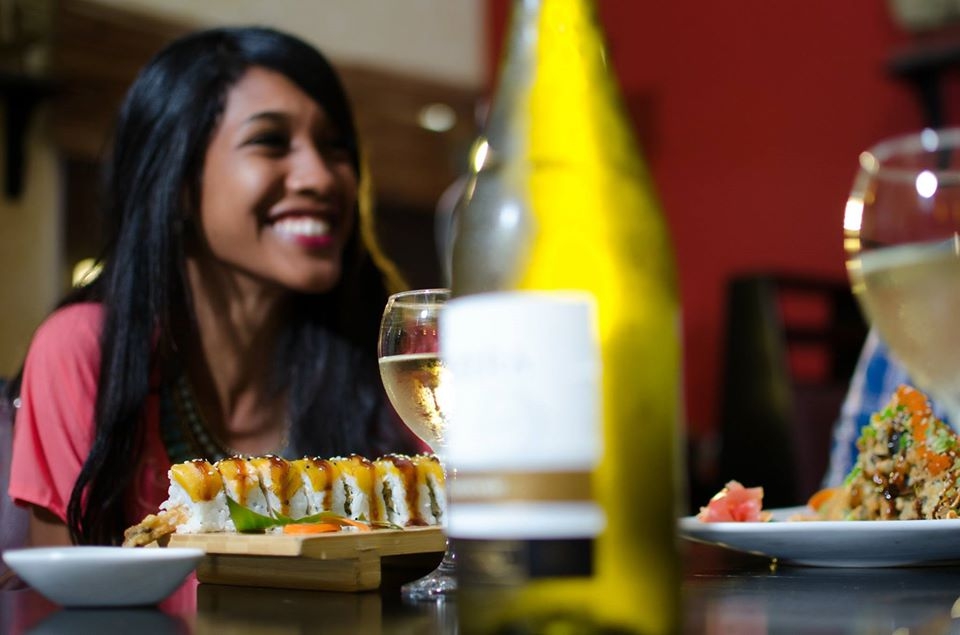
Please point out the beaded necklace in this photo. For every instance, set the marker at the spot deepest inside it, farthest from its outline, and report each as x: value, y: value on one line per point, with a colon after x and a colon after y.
x: 186, y: 435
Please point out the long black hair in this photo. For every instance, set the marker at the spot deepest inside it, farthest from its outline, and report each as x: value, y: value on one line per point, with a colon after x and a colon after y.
x: 326, y: 356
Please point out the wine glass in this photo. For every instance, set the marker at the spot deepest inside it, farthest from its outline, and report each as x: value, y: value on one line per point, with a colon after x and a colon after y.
x: 415, y: 381
x: 901, y: 236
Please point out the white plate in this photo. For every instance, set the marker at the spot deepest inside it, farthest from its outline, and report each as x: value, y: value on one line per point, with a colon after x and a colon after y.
x: 835, y: 543
x: 103, y: 576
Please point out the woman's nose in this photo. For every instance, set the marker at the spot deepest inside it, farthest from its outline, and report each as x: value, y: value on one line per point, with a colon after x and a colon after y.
x: 310, y: 172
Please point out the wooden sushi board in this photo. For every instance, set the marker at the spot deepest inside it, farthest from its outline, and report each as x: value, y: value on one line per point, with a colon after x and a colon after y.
x: 343, y: 561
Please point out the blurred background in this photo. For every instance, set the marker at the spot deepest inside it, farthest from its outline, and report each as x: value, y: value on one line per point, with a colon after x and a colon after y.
x: 751, y: 115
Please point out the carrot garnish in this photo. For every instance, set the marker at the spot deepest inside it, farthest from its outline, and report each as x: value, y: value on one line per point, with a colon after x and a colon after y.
x: 822, y: 496
x: 921, y: 415
x: 310, y: 528
x: 358, y: 525
x: 327, y: 525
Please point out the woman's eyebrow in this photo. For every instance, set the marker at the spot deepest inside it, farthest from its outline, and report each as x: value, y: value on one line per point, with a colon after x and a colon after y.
x: 267, y: 115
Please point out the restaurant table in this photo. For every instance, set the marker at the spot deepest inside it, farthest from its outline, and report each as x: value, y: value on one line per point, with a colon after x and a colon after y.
x: 723, y: 592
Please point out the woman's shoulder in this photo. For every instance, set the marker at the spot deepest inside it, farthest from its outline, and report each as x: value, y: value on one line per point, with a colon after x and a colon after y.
x: 77, y: 315
x: 72, y: 327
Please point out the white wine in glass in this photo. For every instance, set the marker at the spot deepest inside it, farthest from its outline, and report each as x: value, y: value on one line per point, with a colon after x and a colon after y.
x: 414, y: 378
x: 901, y: 227
x: 416, y: 385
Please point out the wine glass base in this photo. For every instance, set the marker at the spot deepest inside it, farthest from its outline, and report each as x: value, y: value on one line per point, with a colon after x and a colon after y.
x: 428, y: 589
x: 438, y: 584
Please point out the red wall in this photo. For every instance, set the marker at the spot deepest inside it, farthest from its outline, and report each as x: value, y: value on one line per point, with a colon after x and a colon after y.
x: 752, y: 115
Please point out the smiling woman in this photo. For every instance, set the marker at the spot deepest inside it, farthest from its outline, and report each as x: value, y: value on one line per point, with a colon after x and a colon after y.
x: 230, y: 314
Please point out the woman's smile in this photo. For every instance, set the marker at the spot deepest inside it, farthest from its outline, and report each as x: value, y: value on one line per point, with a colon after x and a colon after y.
x: 310, y: 232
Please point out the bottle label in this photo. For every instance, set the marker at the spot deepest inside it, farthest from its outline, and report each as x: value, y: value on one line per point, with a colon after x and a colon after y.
x: 523, y: 432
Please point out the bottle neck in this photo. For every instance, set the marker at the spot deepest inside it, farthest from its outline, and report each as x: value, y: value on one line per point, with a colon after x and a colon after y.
x: 556, y: 98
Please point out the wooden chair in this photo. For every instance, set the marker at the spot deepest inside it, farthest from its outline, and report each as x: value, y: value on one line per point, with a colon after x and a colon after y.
x: 791, y: 346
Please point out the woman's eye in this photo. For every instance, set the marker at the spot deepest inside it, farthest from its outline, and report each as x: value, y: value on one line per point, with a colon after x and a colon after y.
x: 270, y: 140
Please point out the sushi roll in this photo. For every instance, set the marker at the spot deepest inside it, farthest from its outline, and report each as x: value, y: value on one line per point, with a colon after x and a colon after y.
x: 410, y: 490
x: 352, y: 487
x: 241, y: 481
x: 317, y: 476
x: 197, y: 489
x: 431, y: 502
x: 395, y: 489
x: 282, y: 484
x: 196, y: 503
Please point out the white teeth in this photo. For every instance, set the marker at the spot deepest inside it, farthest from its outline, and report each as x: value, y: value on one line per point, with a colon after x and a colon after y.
x: 302, y: 227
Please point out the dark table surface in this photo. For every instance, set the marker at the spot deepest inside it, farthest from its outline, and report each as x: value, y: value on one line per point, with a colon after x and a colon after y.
x: 723, y: 592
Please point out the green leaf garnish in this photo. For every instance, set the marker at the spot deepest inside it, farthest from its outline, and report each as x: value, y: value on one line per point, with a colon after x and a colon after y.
x: 246, y: 520
x: 283, y: 520
x: 326, y: 517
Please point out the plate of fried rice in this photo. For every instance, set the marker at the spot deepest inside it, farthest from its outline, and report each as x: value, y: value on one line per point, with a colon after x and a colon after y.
x: 899, y: 505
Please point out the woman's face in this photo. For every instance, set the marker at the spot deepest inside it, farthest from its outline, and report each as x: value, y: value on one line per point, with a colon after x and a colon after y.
x: 278, y: 189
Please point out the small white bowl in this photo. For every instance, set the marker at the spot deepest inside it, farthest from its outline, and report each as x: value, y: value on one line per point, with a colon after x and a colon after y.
x: 103, y: 576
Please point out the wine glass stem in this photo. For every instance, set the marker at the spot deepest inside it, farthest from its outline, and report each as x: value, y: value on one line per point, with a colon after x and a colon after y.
x: 448, y: 565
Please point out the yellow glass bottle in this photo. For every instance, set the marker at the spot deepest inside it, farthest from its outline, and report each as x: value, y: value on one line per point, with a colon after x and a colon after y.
x: 559, y: 198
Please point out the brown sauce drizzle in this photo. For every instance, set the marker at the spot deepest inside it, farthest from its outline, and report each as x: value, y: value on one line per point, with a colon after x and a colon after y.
x: 408, y: 473
x: 243, y: 476
x: 199, y: 479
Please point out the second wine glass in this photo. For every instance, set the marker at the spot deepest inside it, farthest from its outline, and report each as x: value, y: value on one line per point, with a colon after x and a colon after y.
x: 902, y: 237
x: 415, y: 381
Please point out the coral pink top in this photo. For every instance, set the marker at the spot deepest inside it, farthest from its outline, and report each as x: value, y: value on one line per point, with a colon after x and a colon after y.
x: 54, y: 428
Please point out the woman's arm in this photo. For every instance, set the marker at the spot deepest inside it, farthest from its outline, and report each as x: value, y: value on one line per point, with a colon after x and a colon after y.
x: 54, y: 428
x: 46, y: 529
